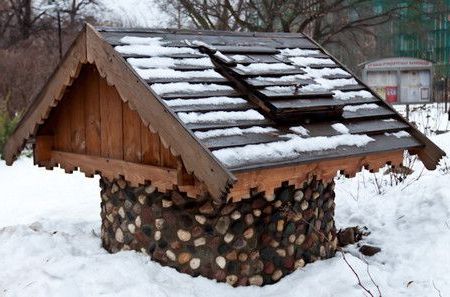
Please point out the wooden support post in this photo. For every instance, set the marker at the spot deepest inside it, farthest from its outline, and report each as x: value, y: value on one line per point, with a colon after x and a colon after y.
x: 43, y: 150
x: 183, y: 177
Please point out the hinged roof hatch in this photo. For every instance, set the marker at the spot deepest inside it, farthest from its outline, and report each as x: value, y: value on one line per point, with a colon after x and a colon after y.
x: 298, y: 104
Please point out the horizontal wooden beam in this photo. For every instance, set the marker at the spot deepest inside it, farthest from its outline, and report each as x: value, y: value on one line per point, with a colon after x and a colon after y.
x: 137, y: 174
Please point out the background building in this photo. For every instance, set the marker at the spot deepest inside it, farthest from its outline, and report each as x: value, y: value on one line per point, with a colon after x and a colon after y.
x: 421, y: 31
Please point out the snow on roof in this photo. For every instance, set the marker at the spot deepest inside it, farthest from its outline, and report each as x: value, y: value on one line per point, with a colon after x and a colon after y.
x: 286, y: 150
x: 220, y: 116
x: 205, y: 101
x: 171, y: 73
x: 317, y: 75
x: 353, y: 108
x: 166, y: 62
x: 222, y: 57
x: 398, y: 134
x: 262, y: 67
x: 294, y: 89
x: 322, y: 72
x: 300, y: 130
x: 281, y: 79
x: 156, y: 41
x: 341, y: 128
x: 234, y: 131
x: 307, y: 61
x: 165, y: 88
x: 298, y: 52
x: 239, y: 58
x: 153, y: 50
x: 341, y: 95
x: 321, y: 84
x: 330, y: 84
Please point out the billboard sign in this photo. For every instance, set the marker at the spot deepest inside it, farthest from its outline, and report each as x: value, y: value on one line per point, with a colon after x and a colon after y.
x: 400, y: 80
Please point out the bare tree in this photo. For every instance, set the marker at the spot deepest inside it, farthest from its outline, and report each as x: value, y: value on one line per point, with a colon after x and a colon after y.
x: 29, y: 47
x: 344, y: 26
x: 74, y: 9
x: 6, y: 18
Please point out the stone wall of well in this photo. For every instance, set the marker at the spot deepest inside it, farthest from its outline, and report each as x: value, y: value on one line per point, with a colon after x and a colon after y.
x: 255, y: 241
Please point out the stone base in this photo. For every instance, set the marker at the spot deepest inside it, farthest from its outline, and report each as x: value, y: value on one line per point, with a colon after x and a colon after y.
x: 252, y: 242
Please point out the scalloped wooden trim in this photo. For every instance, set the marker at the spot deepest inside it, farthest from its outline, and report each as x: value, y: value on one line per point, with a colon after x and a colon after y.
x: 267, y: 180
x: 137, y: 174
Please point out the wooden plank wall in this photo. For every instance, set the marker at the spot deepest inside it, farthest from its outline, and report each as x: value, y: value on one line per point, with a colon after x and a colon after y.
x: 92, y: 119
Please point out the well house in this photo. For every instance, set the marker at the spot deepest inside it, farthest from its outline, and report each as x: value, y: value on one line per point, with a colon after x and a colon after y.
x: 216, y: 150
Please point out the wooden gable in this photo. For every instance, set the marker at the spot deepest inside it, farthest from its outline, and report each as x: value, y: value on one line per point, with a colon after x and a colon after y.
x: 93, y: 129
x: 89, y: 47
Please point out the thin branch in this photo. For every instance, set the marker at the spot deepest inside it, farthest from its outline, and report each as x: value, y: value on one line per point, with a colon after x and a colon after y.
x: 356, y: 274
x: 437, y: 290
x: 371, y: 278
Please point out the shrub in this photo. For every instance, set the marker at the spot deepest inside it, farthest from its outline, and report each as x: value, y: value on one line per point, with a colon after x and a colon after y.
x: 7, y: 125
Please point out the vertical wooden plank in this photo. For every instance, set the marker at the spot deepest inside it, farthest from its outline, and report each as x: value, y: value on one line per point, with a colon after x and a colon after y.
x: 62, y: 128
x: 183, y: 178
x: 110, y: 122
x: 77, y: 123
x: 150, y: 145
x: 43, y: 146
x: 167, y: 159
x: 92, y: 112
x: 131, y: 135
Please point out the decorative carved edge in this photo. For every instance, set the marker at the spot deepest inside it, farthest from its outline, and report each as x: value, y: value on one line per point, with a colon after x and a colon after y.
x: 267, y: 180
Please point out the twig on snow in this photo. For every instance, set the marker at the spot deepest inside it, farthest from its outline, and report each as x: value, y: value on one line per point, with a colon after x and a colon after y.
x: 371, y: 278
x: 357, y: 276
x: 437, y: 290
x: 414, y: 180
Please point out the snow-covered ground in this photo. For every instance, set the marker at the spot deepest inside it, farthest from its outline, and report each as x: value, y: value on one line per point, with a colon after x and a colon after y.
x: 49, y: 244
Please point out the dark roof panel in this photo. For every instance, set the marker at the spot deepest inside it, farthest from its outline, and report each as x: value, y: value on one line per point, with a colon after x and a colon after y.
x: 277, y: 95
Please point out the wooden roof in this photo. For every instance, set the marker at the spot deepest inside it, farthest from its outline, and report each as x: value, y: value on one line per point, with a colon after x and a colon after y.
x: 211, y: 95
